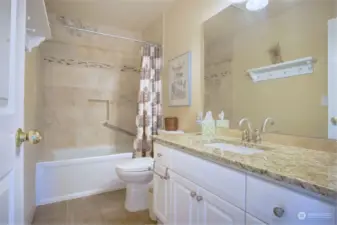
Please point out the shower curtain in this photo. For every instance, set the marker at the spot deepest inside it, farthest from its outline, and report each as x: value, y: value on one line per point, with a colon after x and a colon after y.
x: 149, y: 118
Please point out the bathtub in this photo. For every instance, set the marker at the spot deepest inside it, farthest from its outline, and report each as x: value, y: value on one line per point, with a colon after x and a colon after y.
x: 76, y: 173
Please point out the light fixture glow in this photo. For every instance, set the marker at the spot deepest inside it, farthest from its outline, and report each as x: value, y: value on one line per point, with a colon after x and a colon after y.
x: 255, y: 5
x: 237, y: 1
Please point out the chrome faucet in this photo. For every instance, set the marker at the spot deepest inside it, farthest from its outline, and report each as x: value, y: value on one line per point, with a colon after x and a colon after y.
x: 246, y: 133
x: 249, y: 124
x: 267, y: 121
x: 257, y: 135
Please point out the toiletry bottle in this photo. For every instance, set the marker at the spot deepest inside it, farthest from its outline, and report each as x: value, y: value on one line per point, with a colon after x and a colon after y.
x: 208, y: 127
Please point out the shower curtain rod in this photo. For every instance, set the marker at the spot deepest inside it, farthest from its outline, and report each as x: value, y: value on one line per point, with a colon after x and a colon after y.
x: 110, y: 35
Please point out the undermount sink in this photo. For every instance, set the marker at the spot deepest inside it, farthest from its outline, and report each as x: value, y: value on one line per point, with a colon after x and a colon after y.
x: 236, y: 148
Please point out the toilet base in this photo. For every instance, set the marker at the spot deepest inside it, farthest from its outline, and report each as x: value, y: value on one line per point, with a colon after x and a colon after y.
x: 136, y: 197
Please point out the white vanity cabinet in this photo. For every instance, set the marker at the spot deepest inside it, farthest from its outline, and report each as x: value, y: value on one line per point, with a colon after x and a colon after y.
x: 183, y: 210
x: 161, y: 189
x: 250, y: 220
x: 199, y: 192
x: 193, y: 205
x: 213, y: 210
x: 275, y: 204
x: 188, y: 196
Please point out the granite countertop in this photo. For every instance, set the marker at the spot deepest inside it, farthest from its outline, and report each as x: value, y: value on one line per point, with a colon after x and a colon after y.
x: 312, y: 170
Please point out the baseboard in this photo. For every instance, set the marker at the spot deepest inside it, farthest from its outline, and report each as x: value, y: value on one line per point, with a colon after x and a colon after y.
x: 30, y: 216
x: 117, y: 186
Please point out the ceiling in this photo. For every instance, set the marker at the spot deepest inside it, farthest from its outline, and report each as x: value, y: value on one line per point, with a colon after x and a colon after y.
x: 134, y: 15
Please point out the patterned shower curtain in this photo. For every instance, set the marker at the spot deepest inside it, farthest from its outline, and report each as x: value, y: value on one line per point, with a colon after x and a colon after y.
x: 149, y: 118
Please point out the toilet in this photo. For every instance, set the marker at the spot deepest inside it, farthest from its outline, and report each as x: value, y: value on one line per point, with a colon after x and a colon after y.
x: 137, y: 176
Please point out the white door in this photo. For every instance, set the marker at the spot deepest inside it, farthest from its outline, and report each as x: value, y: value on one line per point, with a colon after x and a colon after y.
x: 183, y: 204
x: 212, y: 210
x: 332, y: 78
x: 250, y: 220
x: 12, y: 53
x: 161, y: 195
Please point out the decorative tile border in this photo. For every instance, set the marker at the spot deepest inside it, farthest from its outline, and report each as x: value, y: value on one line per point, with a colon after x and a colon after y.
x: 216, y: 75
x: 80, y: 63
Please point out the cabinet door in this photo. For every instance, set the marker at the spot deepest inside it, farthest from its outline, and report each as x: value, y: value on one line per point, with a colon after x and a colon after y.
x: 161, y: 195
x: 212, y: 210
x: 250, y: 220
x: 277, y: 205
x: 183, y: 204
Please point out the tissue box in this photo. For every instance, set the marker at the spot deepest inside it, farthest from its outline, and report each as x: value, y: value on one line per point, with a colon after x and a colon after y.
x: 222, y: 123
x: 208, y: 128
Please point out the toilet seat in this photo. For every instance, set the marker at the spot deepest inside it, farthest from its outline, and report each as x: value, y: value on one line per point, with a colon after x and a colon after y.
x: 136, y: 165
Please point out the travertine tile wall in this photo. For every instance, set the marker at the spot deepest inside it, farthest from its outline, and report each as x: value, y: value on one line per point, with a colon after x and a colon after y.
x: 70, y: 120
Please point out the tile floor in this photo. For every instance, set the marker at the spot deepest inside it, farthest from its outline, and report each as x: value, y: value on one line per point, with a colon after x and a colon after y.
x: 103, y: 209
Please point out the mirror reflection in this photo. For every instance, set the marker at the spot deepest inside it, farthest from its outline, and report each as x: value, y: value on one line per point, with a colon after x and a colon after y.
x: 272, y: 63
x: 4, y: 52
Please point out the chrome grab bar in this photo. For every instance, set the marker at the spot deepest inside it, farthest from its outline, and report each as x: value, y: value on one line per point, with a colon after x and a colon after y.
x: 115, y: 128
x: 165, y: 177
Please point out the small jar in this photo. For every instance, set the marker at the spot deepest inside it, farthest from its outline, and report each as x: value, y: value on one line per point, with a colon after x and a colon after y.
x: 171, y: 123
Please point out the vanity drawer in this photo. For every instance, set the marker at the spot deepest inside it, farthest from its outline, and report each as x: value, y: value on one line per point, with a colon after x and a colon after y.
x: 162, y: 155
x: 263, y: 198
x: 226, y: 183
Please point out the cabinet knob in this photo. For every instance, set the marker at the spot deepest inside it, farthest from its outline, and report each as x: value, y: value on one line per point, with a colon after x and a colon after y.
x: 159, y: 154
x: 199, y: 198
x: 278, y: 212
x: 193, y: 194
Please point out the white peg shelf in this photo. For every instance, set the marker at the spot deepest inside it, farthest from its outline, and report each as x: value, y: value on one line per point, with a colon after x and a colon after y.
x: 282, y: 70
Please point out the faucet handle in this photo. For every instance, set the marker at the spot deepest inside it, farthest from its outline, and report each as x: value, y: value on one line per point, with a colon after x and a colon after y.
x: 245, y: 136
x: 257, y: 136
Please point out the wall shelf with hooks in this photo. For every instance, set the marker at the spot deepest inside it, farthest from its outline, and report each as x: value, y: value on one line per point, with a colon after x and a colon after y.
x: 282, y: 70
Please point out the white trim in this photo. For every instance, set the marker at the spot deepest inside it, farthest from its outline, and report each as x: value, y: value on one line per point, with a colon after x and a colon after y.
x: 332, y: 77
x: 119, y: 185
x: 71, y: 162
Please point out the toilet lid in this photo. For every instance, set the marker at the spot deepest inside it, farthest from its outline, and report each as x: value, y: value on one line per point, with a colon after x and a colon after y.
x: 136, y: 165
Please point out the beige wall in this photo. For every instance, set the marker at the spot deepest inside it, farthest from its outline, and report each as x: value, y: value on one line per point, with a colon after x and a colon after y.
x: 183, y: 32
x: 154, y: 32
x: 294, y: 103
x: 71, y: 121
x: 33, y: 108
x: 218, y: 88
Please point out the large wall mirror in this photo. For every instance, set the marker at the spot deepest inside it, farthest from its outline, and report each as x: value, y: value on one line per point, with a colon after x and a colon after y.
x: 272, y: 63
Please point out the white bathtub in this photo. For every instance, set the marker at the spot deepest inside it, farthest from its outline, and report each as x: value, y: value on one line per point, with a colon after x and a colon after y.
x: 77, y: 173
